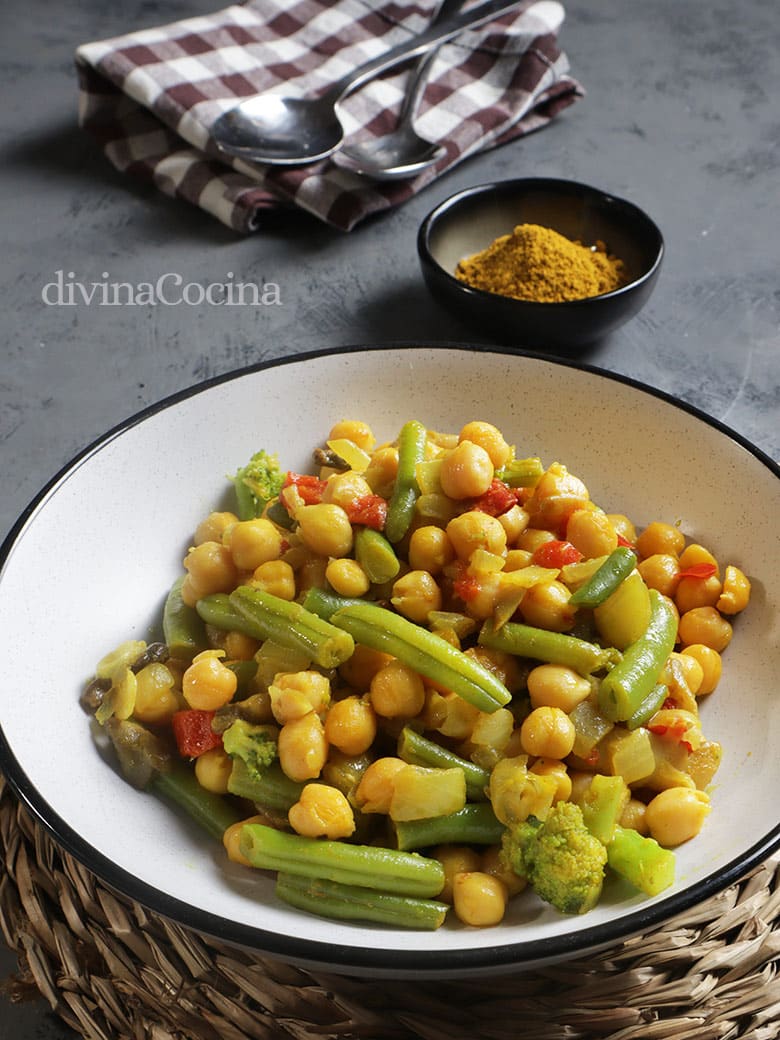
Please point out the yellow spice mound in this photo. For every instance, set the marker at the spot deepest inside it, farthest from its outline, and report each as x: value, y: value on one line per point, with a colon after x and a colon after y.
x: 538, y: 264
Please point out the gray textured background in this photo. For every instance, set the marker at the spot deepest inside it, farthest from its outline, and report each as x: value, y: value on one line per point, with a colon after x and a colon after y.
x: 681, y: 116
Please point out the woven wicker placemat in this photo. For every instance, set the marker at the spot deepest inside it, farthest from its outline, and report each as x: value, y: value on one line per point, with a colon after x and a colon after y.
x: 113, y: 970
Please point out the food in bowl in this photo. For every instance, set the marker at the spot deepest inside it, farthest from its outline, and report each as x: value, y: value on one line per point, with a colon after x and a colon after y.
x: 538, y: 264
x: 430, y: 674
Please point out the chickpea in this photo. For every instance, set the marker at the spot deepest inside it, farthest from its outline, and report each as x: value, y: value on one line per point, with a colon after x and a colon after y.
x: 375, y: 790
x: 591, y: 531
x: 430, y: 549
x: 633, y: 816
x: 358, y: 670
x: 466, y: 472
x: 252, y: 542
x: 547, y: 733
x: 342, y: 489
x: 239, y: 647
x: 212, y: 770
x: 659, y: 537
x: 556, y: 686
x: 710, y: 663
x: 547, y: 606
x: 557, y: 770
x: 514, y: 521
x: 661, y: 571
x: 695, y: 553
x: 213, y: 528
x: 476, y: 530
x: 692, y: 671
x: 347, y: 577
x: 736, y: 591
x: 623, y: 526
x: 295, y: 694
x: 676, y: 815
x: 697, y: 592
x: 325, y: 529
x: 231, y: 840
x: 397, y: 691
x: 382, y: 471
x: 322, y: 812
x: 492, y: 862
x: 350, y: 725
x: 705, y: 625
x: 415, y: 595
x: 455, y: 859
x: 490, y: 438
x: 531, y: 538
x: 557, y: 482
x: 276, y: 577
x: 303, y: 747
x: 155, y: 698
x: 479, y: 899
x: 208, y: 684
x: 210, y: 569
x: 354, y: 430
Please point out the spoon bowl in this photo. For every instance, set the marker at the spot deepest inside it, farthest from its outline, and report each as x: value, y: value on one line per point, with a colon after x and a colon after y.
x: 269, y: 128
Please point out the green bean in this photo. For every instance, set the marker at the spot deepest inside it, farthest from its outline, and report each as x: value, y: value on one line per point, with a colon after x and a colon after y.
x: 376, y: 556
x: 623, y: 690
x: 291, y: 625
x: 649, y: 706
x: 521, y: 472
x: 367, y: 866
x: 400, y: 509
x: 552, y: 647
x: 269, y: 789
x: 474, y: 824
x: 325, y: 604
x: 218, y: 611
x: 183, y: 630
x: 352, y: 903
x: 617, y: 566
x: 417, y: 750
x: 427, y: 654
x: 179, y: 785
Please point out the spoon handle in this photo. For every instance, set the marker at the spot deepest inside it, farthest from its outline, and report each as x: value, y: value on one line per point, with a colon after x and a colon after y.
x: 419, y: 77
x: 433, y: 36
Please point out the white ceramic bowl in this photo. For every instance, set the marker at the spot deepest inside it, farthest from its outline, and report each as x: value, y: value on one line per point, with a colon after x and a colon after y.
x: 89, y: 562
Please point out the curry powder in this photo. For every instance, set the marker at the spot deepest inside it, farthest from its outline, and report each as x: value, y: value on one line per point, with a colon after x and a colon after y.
x: 536, y: 263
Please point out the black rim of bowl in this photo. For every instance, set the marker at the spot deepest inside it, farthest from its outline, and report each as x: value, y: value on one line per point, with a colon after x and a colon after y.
x: 509, y: 187
x: 374, y: 960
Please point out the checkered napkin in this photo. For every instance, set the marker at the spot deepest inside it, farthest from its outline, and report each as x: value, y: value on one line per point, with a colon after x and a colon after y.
x: 151, y: 96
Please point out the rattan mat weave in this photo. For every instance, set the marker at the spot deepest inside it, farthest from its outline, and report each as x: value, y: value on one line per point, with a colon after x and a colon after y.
x: 112, y: 970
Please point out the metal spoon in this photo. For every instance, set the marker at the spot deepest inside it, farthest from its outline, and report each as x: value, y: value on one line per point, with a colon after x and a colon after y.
x: 402, y: 152
x: 269, y: 128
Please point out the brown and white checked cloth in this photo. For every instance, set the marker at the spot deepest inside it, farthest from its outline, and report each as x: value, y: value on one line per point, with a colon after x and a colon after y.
x: 150, y: 97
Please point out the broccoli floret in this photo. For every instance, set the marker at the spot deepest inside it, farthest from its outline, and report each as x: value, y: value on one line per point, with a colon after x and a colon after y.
x: 254, y: 745
x: 559, y: 857
x: 257, y: 484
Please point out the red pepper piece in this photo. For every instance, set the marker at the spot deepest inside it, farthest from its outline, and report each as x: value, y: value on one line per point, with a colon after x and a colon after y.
x: 556, y: 554
x: 625, y: 542
x: 369, y: 511
x: 193, y: 733
x: 498, y: 498
x: 699, y: 570
x: 310, y: 488
x: 673, y: 731
x: 465, y: 586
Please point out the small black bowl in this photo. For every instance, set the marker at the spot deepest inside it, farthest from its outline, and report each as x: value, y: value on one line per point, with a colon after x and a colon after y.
x: 469, y: 221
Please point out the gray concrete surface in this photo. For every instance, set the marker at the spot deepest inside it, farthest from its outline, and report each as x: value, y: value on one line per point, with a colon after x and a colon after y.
x: 680, y: 116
